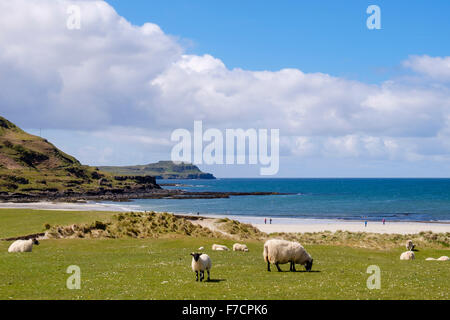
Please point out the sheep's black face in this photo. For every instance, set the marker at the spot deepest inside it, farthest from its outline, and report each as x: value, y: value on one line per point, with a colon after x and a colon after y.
x: 308, y: 265
x: 196, y: 256
x: 35, y: 241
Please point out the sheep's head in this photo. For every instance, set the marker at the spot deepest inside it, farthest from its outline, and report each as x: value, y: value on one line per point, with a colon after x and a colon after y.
x: 308, y: 265
x: 36, y: 242
x: 196, y: 256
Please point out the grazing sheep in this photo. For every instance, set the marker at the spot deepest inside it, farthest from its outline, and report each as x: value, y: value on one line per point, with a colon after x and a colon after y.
x: 201, y: 248
x: 240, y: 247
x: 200, y: 263
x: 23, y: 245
x: 430, y: 259
x: 410, y: 245
x: 408, y: 255
x: 282, y: 251
x: 219, y: 247
x: 443, y: 258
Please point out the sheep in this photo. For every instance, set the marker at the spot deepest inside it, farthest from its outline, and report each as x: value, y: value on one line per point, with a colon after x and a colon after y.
x: 408, y: 255
x: 430, y: 259
x: 219, y: 247
x: 240, y: 247
x: 443, y: 258
x: 23, y: 245
x: 201, y: 248
x: 410, y: 245
x: 200, y: 263
x: 282, y: 251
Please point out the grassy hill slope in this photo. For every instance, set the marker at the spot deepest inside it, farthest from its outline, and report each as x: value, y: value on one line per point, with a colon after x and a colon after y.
x: 162, y: 170
x: 32, y: 165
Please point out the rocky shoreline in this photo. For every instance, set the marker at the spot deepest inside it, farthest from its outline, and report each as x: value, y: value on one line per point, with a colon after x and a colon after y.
x: 121, y: 195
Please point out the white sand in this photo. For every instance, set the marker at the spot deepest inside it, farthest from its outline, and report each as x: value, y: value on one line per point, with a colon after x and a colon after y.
x: 278, y: 224
x: 355, y: 226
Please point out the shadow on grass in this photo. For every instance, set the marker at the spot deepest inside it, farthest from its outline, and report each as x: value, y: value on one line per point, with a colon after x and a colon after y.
x: 215, y: 280
x: 296, y: 271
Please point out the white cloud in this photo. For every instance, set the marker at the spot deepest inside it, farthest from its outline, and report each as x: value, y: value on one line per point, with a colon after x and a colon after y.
x: 135, y: 84
x: 435, y: 67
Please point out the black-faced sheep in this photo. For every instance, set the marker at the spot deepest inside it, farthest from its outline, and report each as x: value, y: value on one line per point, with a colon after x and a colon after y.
x: 410, y: 245
x: 282, y: 251
x: 200, y: 263
x: 23, y: 245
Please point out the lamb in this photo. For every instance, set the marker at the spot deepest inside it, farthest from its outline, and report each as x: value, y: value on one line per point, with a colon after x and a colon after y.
x: 200, y: 263
x: 23, y: 245
x: 408, y: 255
x: 443, y: 258
x: 240, y: 247
x: 410, y: 245
x: 201, y: 248
x: 282, y: 251
x: 219, y: 247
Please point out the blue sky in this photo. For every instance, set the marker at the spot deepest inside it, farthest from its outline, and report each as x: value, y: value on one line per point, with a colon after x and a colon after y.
x: 314, y: 36
x: 348, y: 101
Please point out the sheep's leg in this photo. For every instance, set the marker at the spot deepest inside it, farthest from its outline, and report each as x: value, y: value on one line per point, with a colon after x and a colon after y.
x: 278, y: 267
x: 202, y: 275
x: 196, y: 275
x: 208, y: 276
x: 293, y: 267
x: 290, y: 266
x: 268, y: 266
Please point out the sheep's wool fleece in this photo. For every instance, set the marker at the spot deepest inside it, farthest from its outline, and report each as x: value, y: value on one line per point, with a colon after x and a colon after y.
x: 203, y: 263
x: 21, y: 246
x: 408, y: 255
x: 283, y: 251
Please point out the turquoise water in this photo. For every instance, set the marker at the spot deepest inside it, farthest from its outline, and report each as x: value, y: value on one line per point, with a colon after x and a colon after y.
x: 352, y: 199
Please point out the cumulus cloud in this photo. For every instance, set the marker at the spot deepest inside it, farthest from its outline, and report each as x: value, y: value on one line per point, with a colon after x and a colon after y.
x: 135, y: 84
x: 434, y: 67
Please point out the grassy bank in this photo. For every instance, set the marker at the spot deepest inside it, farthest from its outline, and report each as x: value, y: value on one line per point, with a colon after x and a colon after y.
x: 159, y: 267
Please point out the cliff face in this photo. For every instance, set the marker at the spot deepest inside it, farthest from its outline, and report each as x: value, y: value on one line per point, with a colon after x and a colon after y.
x: 30, y: 165
x: 162, y: 170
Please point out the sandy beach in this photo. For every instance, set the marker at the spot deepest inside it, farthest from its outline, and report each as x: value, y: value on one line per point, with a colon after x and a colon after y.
x: 278, y: 224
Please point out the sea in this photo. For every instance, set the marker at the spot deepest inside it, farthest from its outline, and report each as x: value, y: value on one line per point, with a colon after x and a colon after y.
x: 343, y: 199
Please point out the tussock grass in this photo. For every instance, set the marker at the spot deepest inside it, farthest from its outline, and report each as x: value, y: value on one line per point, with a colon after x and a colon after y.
x: 369, y: 240
x: 133, y: 225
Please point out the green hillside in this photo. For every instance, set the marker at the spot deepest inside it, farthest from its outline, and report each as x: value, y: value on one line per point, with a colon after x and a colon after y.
x: 162, y: 170
x: 32, y: 165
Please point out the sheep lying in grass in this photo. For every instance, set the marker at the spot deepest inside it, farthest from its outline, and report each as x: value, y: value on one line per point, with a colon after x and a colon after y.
x: 443, y: 258
x: 410, y: 245
x: 240, y: 247
x: 200, y: 263
x: 408, y: 255
x: 201, y: 248
x: 282, y: 251
x: 219, y: 247
x: 23, y: 245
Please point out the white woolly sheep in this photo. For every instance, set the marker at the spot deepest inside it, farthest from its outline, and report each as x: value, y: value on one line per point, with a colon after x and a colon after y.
x: 443, y: 258
x: 430, y: 259
x: 240, y: 247
x: 282, y: 251
x: 410, y: 245
x: 23, y: 245
x: 219, y: 247
x: 408, y: 255
x: 201, y: 248
x: 200, y: 263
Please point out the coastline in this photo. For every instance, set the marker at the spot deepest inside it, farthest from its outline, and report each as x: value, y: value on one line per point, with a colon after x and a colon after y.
x: 279, y: 225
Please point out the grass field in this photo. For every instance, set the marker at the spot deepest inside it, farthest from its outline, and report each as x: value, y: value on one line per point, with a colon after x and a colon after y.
x: 160, y: 269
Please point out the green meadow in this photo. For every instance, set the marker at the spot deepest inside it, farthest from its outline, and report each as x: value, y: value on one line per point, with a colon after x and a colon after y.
x: 159, y: 268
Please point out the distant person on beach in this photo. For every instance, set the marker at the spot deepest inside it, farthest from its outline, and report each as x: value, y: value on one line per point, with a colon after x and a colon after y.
x: 384, y: 221
x: 265, y: 220
x: 365, y: 223
x: 198, y: 213
x: 270, y: 220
